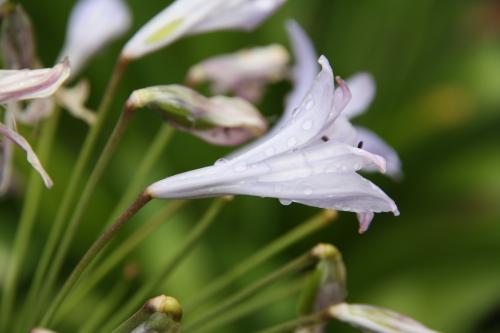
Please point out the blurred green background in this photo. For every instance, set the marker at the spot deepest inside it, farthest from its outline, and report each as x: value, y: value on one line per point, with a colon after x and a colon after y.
x: 437, y: 67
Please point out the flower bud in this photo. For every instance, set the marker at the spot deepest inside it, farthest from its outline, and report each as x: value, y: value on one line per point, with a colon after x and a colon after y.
x: 218, y: 120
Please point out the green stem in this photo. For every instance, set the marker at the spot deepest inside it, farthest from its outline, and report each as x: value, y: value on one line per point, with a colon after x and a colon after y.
x: 252, y: 306
x: 83, y: 202
x: 71, y: 190
x: 188, y: 245
x: 156, y: 149
x: 92, y: 252
x: 306, y: 321
x: 221, y: 307
x: 305, y: 229
x: 26, y: 223
x: 118, y: 255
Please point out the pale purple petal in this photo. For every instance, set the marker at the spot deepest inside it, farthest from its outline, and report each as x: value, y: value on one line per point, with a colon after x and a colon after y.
x: 365, y: 219
x: 239, y: 14
x: 376, y: 319
x: 362, y: 86
x: 92, y: 25
x: 307, y: 120
x: 32, y: 158
x: 74, y: 99
x: 374, y: 144
x: 188, y: 17
x: 35, y: 111
x: 305, y: 70
x: 24, y: 84
x: 245, y: 73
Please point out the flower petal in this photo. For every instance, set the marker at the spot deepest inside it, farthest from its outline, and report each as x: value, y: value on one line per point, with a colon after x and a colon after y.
x: 306, y: 122
x: 32, y: 158
x: 35, y: 111
x: 18, y: 85
x: 239, y: 14
x: 245, y: 72
x: 92, y: 25
x: 376, y: 319
x: 374, y: 144
x: 305, y: 69
x: 362, y: 86
x: 74, y: 99
x: 188, y: 17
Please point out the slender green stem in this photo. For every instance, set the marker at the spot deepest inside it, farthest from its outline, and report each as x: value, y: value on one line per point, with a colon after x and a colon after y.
x: 26, y: 223
x: 118, y: 255
x: 71, y: 190
x: 156, y: 149
x: 151, y: 284
x: 92, y: 252
x: 314, y: 319
x: 251, y: 306
x: 221, y: 307
x: 85, y: 197
x: 305, y: 229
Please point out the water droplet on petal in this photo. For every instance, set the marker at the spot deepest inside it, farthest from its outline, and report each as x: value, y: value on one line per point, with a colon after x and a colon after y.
x: 307, y: 125
x: 221, y: 161
x: 285, y: 202
x: 309, y: 104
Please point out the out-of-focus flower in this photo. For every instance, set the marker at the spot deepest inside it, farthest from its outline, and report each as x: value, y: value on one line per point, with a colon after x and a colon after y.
x: 24, y: 84
x: 74, y: 98
x: 375, y: 319
x: 18, y: 85
x: 245, y: 73
x: 362, y: 87
x: 219, y: 120
x: 41, y: 330
x: 189, y: 17
x: 92, y: 25
x: 294, y: 163
x: 17, y: 42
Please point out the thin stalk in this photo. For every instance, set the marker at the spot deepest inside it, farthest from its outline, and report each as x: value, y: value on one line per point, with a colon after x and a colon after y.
x: 71, y: 190
x: 92, y: 252
x: 151, y: 284
x: 26, y: 223
x: 83, y: 202
x: 305, y: 229
x: 118, y: 255
x: 305, y: 321
x: 156, y: 149
x: 252, y: 306
x: 292, y: 267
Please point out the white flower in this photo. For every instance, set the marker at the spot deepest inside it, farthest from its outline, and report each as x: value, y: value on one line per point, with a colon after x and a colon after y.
x: 362, y: 87
x: 189, y: 17
x: 245, y: 72
x: 16, y: 85
x: 375, y: 319
x: 293, y: 163
x: 92, y: 25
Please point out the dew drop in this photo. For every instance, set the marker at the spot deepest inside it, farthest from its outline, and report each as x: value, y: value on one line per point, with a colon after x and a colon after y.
x: 309, y: 104
x: 221, y: 161
x: 307, y: 125
x: 285, y: 202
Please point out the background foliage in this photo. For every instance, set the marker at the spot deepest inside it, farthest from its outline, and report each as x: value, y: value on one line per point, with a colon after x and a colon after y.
x: 437, y: 67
